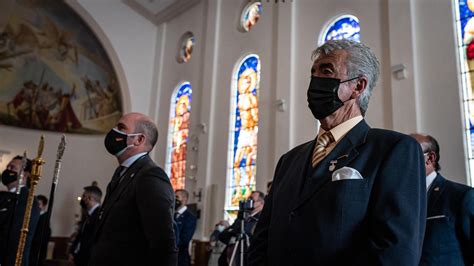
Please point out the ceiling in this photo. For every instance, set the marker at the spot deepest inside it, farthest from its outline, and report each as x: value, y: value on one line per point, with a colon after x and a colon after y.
x: 156, y: 6
x: 159, y: 11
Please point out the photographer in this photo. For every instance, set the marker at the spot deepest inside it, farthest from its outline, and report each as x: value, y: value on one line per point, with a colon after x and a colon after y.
x: 249, y: 212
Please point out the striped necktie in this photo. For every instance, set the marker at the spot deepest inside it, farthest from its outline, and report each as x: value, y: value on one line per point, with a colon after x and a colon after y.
x: 320, y: 149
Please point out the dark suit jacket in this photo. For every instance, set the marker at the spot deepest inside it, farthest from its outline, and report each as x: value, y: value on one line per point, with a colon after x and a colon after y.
x: 10, y: 229
x: 39, y: 245
x: 136, y: 221
x: 84, y: 239
x: 449, y: 236
x: 308, y: 219
x: 186, y: 223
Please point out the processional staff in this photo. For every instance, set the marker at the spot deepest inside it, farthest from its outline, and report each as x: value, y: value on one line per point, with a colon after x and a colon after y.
x: 35, y: 176
x: 57, y: 168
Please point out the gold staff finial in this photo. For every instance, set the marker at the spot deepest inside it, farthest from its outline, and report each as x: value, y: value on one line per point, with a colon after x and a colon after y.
x: 41, y: 146
x: 35, y: 176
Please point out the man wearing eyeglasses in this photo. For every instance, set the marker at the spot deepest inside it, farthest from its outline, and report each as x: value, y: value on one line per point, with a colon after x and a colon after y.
x: 449, y: 236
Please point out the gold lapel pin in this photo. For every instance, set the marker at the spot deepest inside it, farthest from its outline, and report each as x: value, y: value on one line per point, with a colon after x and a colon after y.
x: 436, y: 189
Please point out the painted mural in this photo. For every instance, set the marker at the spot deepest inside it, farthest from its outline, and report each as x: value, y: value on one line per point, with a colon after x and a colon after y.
x: 54, y: 73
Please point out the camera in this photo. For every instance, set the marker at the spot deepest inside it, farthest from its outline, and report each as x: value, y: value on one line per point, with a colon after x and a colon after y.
x: 245, y: 207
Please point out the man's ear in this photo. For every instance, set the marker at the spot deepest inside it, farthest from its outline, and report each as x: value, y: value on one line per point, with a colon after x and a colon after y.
x: 361, y: 85
x: 432, y: 157
x: 141, y: 139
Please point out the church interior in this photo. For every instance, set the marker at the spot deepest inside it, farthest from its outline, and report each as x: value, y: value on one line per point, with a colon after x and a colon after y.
x: 212, y: 74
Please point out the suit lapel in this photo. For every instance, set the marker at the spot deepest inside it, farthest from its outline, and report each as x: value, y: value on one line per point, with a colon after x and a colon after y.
x: 126, y: 179
x: 344, y: 152
x: 299, y: 170
x: 435, y: 191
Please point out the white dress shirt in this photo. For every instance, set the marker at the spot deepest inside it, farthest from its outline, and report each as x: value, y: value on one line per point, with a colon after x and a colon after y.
x: 429, y: 179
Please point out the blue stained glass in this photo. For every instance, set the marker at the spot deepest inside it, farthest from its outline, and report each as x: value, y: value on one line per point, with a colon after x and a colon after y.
x: 465, y: 34
x: 243, y: 132
x: 344, y: 27
x: 178, y: 135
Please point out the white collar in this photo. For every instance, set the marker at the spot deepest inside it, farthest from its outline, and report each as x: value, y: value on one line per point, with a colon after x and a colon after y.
x: 182, y: 209
x: 429, y: 179
x: 91, y: 210
x: 339, y: 131
x: 130, y: 160
x: 13, y: 189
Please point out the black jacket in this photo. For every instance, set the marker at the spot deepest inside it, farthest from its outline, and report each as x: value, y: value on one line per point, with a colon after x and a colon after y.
x: 186, y: 224
x: 136, y: 221
x: 81, y: 248
x: 11, y: 222
x: 449, y: 236
x: 363, y: 204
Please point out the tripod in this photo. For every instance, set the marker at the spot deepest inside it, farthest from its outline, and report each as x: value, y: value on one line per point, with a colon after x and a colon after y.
x: 242, y: 241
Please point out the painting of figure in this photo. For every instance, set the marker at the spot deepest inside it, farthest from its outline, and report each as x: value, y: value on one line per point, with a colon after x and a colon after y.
x: 54, y: 72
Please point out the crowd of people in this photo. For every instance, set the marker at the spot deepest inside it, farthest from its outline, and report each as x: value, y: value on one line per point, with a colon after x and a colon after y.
x: 353, y: 195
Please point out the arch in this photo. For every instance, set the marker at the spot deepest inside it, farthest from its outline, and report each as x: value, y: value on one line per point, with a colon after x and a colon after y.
x: 341, y: 27
x: 243, y: 130
x: 178, y: 134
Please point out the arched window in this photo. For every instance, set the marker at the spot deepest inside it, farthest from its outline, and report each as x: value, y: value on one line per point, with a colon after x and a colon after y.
x: 465, y: 35
x: 178, y: 134
x: 242, y: 151
x: 342, y: 27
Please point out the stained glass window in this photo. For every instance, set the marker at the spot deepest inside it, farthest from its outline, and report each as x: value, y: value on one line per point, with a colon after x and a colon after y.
x: 250, y: 15
x: 242, y: 151
x: 465, y: 40
x: 186, y: 47
x: 178, y: 134
x: 343, y: 27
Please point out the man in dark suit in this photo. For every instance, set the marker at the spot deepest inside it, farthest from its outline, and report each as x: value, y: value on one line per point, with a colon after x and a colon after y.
x: 186, y: 223
x: 136, y: 219
x: 39, y: 246
x: 12, y: 211
x: 449, y: 235
x: 81, y: 248
x: 354, y: 195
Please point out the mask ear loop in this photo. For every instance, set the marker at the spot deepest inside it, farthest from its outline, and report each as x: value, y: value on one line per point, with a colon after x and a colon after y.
x: 347, y: 80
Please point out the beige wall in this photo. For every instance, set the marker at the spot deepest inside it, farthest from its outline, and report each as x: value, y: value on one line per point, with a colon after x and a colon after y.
x: 399, y: 32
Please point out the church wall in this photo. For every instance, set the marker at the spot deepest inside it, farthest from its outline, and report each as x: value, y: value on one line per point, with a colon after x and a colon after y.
x: 439, y: 99
x: 399, y: 32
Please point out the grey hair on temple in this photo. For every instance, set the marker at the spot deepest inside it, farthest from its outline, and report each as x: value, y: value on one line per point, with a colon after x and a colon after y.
x: 361, y: 61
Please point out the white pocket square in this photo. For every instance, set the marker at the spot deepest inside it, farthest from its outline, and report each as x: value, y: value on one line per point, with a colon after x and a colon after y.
x: 345, y: 173
x: 435, y: 217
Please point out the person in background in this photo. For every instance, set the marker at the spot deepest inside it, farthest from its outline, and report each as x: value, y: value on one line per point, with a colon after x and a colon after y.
x: 39, y: 247
x: 13, y: 210
x: 230, y: 235
x: 186, y: 224
x: 81, y: 248
x: 449, y: 235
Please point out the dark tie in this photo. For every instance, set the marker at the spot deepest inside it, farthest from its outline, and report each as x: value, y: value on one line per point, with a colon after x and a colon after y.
x: 116, y: 178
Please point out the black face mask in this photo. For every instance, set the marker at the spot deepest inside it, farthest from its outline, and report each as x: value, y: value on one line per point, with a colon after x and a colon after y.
x: 9, y: 176
x: 116, y: 141
x: 83, y: 204
x: 322, y: 96
x: 177, y: 204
